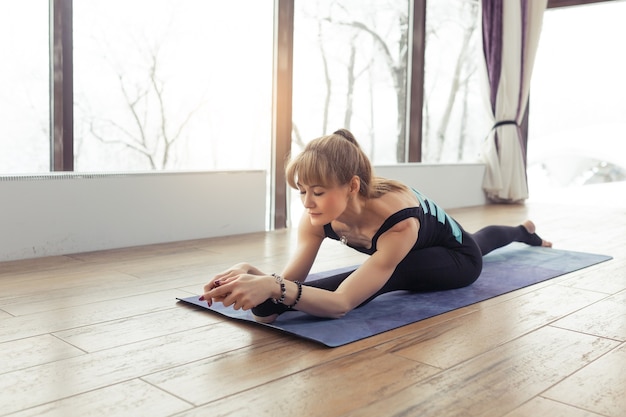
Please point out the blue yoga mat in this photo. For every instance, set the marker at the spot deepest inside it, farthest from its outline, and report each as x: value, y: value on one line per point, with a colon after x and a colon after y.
x: 506, y: 269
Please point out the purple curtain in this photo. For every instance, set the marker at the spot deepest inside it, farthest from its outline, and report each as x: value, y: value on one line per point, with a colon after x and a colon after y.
x: 492, y: 45
x: 511, y: 31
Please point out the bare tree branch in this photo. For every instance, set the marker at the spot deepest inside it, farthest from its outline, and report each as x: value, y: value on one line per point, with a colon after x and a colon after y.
x: 454, y: 87
x: 128, y: 145
x: 351, y: 81
x: 326, y: 78
x: 397, y: 69
x: 136, y: 137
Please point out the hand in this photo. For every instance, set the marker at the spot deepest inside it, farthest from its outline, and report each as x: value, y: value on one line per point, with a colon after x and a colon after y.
x: 233, y: 271
x: 242, y: 291
x: 240, y: 268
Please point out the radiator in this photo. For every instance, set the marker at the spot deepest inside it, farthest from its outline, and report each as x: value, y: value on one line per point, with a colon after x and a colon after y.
x: 449, y: 185
x: 63, y: 213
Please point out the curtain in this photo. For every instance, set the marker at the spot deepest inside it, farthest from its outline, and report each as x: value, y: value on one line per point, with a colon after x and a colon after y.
x: 511, y: 30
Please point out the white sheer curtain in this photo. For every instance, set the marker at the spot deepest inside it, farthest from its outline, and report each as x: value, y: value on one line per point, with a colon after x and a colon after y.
x: 511, y: 32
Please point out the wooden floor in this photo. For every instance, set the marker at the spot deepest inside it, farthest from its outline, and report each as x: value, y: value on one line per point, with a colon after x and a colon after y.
x: 100, y: 334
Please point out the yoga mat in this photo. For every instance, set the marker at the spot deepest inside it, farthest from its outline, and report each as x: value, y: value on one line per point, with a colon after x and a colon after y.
x: 506, y: 269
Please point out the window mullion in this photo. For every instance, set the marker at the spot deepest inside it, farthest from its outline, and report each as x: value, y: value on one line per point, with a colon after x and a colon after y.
x: 282, y: 104
x: 61, y: 87
x: 416, y: 80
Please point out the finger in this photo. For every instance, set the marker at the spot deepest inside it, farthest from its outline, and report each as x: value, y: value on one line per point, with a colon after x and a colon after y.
x: 224, y: 274
x: 209, y: 301
x: 237, y: 305
x: 208, y: 287
x: 239, y: 301
x: 213, y: 284
x: 229, y: 294
x: 210, y: 295
x: 226, y: 280
x: 218, y: 292
x: 221, y: 275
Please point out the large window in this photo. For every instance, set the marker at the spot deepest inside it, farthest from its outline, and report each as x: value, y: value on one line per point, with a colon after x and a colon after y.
x: 187, y: 85
x: 577, y: 125
x: 171, y: 85
x: 162, y: 85
x: 24, y: 95
x: 350, y: 71
x: 455, y: 118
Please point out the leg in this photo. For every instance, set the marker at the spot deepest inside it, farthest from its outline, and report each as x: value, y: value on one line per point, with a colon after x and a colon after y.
x: 494, y: 237
x: 435, y: 269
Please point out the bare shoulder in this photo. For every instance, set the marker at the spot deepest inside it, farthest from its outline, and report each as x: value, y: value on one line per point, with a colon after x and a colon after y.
x: 397, y: 200
x: 394, y: 202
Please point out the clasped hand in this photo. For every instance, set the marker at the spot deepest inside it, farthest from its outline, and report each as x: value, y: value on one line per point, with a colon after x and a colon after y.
x: 241, y: 286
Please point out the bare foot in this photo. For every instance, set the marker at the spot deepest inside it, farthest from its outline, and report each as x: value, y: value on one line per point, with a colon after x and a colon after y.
x: 530, y: 227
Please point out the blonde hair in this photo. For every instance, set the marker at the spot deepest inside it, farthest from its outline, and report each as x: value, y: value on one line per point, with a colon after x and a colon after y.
x: 333, y: 160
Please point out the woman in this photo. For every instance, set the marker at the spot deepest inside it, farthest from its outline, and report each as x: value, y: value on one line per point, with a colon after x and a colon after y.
x: 412, y: 243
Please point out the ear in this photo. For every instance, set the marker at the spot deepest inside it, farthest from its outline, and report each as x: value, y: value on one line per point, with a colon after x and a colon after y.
x: 355, y: 184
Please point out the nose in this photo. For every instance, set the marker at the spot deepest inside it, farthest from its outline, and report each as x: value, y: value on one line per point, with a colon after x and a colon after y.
x: 307, y: 201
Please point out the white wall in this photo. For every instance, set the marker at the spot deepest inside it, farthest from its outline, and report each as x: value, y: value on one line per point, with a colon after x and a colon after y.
x: 448, y: 185
x: 64, y: 213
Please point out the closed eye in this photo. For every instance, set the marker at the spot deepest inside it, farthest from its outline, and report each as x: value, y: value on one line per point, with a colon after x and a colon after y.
x: 316, y: 194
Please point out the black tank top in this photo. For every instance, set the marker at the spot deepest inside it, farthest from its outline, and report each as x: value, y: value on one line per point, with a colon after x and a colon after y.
x: 437, y: 228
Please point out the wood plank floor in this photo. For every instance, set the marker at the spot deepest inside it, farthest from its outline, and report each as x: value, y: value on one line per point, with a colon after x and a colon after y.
x: 100, y: 334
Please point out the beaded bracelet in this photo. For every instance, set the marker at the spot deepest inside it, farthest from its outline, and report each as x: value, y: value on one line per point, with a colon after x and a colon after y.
x: 283, y: 290
x: 299, y: 284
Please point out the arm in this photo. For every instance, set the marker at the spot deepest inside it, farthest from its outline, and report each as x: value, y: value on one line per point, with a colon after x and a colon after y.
x: 247, y: 291
x: 309, y: 241
x: 370, y: 277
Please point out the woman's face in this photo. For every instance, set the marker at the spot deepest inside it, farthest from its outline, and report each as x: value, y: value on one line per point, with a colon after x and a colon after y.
x: 324, y: 203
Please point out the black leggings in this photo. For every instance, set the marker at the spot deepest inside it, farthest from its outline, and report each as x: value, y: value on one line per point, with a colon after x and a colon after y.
x: 433, y: 268
x: 494, y: 237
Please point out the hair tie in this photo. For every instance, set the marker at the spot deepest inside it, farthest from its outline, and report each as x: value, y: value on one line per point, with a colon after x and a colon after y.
x: 342, y: 134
